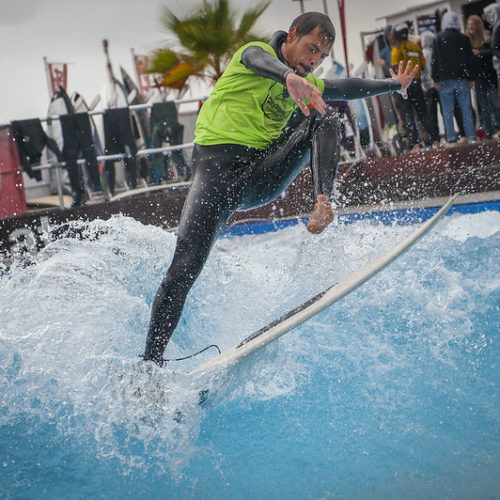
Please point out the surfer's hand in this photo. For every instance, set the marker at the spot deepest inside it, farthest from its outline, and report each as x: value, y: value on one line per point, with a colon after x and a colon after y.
x: 404, y: 76
x: 322, y: 215
x: 299, y: 89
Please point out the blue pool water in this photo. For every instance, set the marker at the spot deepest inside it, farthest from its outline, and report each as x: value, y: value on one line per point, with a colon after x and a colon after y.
x: 394, y: 392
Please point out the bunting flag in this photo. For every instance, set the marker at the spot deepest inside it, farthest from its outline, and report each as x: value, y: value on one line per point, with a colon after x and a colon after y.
x: 143, y: 78
x: 344, y: 34
x: 57, y: 75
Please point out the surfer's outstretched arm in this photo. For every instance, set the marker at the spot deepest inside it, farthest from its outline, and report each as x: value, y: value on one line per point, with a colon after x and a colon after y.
x: 361, y: 88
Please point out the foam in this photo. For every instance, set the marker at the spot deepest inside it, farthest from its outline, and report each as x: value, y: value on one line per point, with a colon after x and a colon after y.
x: 74, y: 322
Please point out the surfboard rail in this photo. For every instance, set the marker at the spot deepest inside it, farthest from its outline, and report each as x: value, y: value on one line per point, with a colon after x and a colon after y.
x: 322, y: 300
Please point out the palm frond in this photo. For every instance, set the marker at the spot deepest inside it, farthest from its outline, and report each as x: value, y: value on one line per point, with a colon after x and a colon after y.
x: 207, y: 34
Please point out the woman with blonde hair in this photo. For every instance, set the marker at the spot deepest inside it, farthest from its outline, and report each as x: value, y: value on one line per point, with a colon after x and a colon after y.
x: 486, y: 78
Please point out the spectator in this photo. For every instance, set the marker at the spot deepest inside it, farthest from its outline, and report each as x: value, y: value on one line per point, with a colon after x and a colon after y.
x: 384, y: 61
x: 414, y: 107
x: 453, y: 73
x: 492, y: 15
x: 430, y: 93
x: 385, y: 54
x: 486, y: 77
x: 438, y: 14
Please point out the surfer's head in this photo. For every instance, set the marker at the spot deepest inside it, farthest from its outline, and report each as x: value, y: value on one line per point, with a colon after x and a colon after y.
x: 309, y: 41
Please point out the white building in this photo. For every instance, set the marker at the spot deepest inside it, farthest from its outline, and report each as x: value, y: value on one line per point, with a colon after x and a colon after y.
x: 423, y: 16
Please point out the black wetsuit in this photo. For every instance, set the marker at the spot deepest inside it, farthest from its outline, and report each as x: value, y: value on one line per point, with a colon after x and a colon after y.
x: 231, y: 177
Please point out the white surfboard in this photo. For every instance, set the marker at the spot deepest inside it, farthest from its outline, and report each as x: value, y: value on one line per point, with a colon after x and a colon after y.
x: 315, y: 305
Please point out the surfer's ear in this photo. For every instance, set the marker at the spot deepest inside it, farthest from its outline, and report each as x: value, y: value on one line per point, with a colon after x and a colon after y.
x: 292, y: 35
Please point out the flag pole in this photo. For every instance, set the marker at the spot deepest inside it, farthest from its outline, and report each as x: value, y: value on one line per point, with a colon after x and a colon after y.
x: 301, y: 5
x: 344, y: 37
x: 46, y: 64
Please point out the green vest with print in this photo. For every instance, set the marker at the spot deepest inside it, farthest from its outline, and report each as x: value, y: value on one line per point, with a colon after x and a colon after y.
x: 245, y: 108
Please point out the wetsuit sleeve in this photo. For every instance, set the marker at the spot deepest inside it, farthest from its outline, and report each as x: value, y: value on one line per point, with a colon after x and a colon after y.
x: 358, y: 88
x: 264, y: 64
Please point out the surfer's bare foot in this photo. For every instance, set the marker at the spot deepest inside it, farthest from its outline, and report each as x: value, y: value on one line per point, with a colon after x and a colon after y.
x: 322, y: 215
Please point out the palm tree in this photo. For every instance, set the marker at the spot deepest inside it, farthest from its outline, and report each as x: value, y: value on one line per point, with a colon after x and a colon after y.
x: 208, y: 36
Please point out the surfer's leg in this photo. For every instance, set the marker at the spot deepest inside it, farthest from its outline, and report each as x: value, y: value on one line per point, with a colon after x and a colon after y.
x: 325, y: 152
x: 212, y: 199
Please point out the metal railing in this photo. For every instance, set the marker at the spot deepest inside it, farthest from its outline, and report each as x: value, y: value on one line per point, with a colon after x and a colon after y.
x: 57, y: 165
x: 143, y: 152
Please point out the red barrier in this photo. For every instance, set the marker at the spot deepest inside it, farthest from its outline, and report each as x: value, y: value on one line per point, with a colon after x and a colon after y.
x: 12, y: 197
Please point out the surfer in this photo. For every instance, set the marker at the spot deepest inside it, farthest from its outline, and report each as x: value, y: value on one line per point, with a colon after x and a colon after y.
x: 250, y: 145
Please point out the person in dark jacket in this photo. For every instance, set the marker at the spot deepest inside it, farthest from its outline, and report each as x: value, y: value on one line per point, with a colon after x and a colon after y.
x: 492, y: 15
x: 430, y: 92
x: 486, y: 76
x: 452, y: 70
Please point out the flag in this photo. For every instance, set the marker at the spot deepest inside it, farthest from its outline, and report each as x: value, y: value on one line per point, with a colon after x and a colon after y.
x: 57, y: 76
x: 143, y: 78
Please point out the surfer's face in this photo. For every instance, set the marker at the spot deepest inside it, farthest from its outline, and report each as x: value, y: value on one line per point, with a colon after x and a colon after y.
x: 306, y: 53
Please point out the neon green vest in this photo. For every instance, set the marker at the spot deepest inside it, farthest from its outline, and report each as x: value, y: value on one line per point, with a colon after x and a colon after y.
x: 245, y: 108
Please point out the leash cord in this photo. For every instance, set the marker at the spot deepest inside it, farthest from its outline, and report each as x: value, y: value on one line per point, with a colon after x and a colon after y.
x: 194, y: 354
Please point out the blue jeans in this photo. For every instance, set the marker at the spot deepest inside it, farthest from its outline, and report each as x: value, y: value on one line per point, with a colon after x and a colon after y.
x: 489, y: 108
x: 459, y: 89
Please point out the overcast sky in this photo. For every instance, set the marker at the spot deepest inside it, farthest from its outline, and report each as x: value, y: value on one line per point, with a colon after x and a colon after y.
x: 72, y: 31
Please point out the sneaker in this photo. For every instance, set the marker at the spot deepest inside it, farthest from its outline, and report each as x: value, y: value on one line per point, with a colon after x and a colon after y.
x: 450, y: 144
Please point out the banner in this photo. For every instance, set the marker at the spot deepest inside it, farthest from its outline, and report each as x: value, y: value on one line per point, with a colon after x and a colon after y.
x: 344, y: 35
x: 57, y: 76
x: 143, y: 78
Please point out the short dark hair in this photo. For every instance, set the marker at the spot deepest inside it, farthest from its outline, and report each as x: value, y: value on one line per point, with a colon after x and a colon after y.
x: 306, y: 23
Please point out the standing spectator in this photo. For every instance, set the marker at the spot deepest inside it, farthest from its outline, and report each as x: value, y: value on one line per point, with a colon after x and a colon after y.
x: 492, y: 14
x: 453, y: 71
x: 384, y: 61
x: 415, y: 108
x: 430, y: 93
x: 486, y: 77
x: 385, y: 54
x: 438, y: 15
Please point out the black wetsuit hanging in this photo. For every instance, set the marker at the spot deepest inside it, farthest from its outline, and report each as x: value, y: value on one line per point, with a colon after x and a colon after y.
x: 119, y: 138
x: 31, y: 139
x: 78, y: 141
x: 165, y: 128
